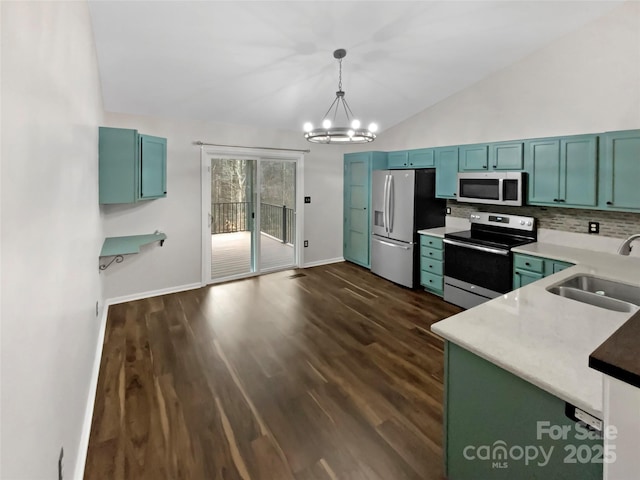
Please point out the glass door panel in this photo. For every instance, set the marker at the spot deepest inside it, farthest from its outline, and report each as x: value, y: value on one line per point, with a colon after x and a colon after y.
x: 277, y: 214
x: 232, y: 218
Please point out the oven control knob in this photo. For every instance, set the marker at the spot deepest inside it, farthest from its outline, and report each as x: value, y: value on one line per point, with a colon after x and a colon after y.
x: 528, y: 223
x: 521, y: 222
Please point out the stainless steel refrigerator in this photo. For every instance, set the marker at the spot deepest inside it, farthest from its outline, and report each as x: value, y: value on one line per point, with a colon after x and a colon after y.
x: 403, y: 202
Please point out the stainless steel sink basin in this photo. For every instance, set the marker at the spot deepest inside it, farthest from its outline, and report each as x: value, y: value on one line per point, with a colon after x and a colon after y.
x: 599, y: 292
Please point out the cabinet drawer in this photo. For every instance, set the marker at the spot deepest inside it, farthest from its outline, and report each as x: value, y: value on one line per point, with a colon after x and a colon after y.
x: 435, y: 282
x: 433, y: 253
x: 431, y: 265
x: 533, y: 264
x: 431, y: 242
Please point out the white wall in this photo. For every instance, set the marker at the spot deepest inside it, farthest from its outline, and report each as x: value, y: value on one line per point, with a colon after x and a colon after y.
x: 51, y: 233
x: 587, y: 81
x: 178, y: 262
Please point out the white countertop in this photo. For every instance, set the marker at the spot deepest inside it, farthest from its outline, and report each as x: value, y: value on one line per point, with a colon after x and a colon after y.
x: 544, y: 338
x: 440, y: 231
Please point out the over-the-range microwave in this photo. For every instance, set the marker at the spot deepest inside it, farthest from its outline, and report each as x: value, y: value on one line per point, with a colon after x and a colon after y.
x: 494, y: 188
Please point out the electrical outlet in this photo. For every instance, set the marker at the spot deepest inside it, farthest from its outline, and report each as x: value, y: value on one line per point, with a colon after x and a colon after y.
x: 307, y: 199
x: 306, y: 243
x: 594, y: 227
x: 61, y: 464
x: 448, y: 210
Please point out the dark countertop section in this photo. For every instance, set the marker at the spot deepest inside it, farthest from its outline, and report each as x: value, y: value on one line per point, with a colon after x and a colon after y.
x: 619, y: 355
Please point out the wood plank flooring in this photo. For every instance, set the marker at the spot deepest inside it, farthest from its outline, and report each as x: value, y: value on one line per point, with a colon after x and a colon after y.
x: 318, y: 374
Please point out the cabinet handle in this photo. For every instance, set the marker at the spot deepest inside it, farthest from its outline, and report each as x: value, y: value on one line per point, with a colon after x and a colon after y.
x: 484, y: 166
x: 495, y: 166
x: 609, y: 203
x: 527, y: 264
x: 556, y: 200
x: 561, y: 200
x: 517, y: 273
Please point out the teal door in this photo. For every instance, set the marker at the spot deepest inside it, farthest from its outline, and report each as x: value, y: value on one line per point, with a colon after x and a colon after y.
x: 524, y: 277
x: 422, y: 158
x: 153, y: 166
x: 446, y: 172
x: 398, y: 159
x: 578, y: 167
x: 620, y: 170
x: 474, y: 157
x: 357, y: 183
x: 543, y: 165
x: 506, y: 156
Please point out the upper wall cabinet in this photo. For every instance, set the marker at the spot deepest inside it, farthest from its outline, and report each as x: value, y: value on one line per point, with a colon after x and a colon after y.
x: 492, y: 156
x: 620, y: 170
x: 421, y: 158
x: 474, y: 157
x: 563, y: 171
x: 446, y: 172
x: 506, y: 156
x: 132, y: 166
x: 398, y: 159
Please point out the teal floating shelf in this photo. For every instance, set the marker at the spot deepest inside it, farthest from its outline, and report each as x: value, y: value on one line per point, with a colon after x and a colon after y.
x: 119, y: 246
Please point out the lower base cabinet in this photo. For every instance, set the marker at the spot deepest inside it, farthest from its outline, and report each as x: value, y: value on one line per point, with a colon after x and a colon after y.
x: 432, y: 264
x: 499, y: 426
x: 527, y: 269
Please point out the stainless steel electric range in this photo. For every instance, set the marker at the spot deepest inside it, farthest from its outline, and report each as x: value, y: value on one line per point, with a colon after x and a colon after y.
x: 478, y: 263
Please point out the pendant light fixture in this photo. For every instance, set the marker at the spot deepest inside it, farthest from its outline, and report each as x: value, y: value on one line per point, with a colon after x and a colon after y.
x: 330, y: 133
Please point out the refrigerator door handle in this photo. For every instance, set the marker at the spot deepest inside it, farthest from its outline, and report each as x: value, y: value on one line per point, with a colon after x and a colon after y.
x: 389, y: 244
x: 391, y: 203
x: 385, y: 209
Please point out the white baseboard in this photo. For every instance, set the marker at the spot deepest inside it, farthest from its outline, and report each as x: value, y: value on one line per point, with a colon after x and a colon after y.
x: 83, y: 447
x: 323, y: 262
x: 154, y: 293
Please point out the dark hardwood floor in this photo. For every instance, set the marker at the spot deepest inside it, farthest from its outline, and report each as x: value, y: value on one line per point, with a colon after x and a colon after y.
x: 323, y: 373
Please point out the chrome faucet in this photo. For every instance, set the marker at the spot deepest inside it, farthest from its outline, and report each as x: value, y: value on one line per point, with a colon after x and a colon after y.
x: 625, y: 248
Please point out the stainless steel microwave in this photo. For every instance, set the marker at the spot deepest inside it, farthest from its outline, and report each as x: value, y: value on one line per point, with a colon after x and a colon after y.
x: 493, y: 188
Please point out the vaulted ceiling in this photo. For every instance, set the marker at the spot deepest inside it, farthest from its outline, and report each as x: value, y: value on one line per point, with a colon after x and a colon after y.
x: 267, y: 63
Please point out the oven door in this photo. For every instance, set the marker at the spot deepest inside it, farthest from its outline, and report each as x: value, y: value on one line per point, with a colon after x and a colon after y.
x: 489, y: 268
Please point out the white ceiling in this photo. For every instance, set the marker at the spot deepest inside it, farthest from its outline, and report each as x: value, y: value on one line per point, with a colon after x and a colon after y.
x: 271, y: 64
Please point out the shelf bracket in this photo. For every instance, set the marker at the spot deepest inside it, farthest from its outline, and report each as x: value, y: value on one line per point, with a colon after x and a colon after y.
x: 117, y: 259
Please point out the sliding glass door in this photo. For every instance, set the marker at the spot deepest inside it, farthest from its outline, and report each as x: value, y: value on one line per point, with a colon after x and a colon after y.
x: 277, y: 214
x: 232, y: 217
x: 252, y: 216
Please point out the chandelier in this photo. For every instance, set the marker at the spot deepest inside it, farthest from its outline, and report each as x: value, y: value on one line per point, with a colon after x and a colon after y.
x: 329, y: 133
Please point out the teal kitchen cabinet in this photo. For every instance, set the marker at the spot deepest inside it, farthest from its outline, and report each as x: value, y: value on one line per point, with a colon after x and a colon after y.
x: 563, y: 171
x: 432, y: 264
x: 620, y: 170
x: 357, y: 204
x: 132, y: 166
x: 446, y: 159
x: 527, y: 268
x: 474, y: 157
x: 492, y: 415
x: 398, y: 159
x: 493, y: 156
x: 420, y: 158
x: 506, y: 156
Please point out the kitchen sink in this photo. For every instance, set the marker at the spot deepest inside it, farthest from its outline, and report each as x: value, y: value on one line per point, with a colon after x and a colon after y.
x: 599, y: 292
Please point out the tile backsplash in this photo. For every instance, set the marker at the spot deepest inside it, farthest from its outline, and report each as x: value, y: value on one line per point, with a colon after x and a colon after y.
x: 612, y: 224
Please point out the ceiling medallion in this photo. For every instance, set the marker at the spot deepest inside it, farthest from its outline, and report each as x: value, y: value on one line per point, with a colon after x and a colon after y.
x: 353, y: 133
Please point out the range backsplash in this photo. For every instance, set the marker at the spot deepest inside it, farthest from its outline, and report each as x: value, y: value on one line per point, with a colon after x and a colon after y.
x: 612, y: 224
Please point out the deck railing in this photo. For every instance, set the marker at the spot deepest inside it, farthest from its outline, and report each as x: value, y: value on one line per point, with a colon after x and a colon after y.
x: 231, y: 217
x: 276, y: 220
